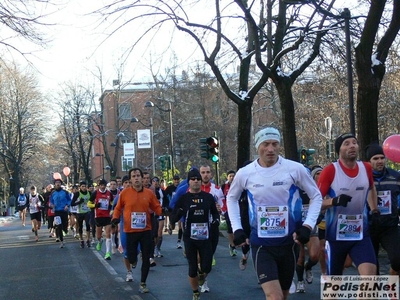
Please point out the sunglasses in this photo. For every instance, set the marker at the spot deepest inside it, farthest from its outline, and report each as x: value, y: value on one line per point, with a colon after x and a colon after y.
x: 195, y: 178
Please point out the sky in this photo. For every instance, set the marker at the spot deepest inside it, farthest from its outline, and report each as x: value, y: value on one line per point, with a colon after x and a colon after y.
x: 79, y: 46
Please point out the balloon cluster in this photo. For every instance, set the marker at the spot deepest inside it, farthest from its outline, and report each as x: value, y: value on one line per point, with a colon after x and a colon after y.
x: 66, y: 172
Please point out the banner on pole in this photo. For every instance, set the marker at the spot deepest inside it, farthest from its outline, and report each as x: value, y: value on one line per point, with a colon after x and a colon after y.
x: 144, y: 138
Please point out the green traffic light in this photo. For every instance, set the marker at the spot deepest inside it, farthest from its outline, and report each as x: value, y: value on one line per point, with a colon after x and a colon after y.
x: 215, y: 158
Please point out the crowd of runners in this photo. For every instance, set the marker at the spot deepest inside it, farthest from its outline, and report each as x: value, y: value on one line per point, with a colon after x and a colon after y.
x: 287, y: 216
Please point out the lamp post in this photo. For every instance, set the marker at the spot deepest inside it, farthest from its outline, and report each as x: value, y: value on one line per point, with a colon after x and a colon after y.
x: 347, y: 15
x: 135, y: 120
x: 171, y: 134
x: 101, y: 164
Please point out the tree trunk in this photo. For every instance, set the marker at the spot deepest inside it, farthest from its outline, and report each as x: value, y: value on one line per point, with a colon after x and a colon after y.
x: 288, y: 132
x: 244, y: 132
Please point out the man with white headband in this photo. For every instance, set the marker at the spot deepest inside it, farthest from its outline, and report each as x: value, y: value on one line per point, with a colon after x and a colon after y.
x: 272, y: 184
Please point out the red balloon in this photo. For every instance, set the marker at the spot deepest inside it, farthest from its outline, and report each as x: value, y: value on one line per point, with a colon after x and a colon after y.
x: 391, y: 148
x: 56, y: 175
x: 66, y: 171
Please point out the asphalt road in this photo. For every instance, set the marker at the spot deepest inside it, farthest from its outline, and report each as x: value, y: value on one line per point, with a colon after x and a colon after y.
x: 41, y: 270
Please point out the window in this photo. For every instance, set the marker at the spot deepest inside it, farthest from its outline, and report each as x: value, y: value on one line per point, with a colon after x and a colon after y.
x: 127, y: 163
x: 125, y: 112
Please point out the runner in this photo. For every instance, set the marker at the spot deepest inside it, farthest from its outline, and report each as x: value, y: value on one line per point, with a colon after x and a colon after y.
x: 81, y: 200
x: 201, y: 215
x: 349, y: 184
x: 122, y: 235
x: 272, y: 184
x: 22, y: 205
x: 387, y: 232
x: 134, y: 205
x: 101, y: 200
x: 60, y: 201
x: 35, y: 201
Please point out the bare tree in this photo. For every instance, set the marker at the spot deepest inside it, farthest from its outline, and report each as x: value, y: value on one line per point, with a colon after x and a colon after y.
x: 78, y: 119
x: 371, y: 54
x: 269, y: 35
x: 22, y: 124
x: 22, y: 19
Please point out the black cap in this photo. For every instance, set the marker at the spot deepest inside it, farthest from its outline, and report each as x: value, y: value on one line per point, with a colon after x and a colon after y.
x: 82, y: 182
x: 373, y: 149
x: 193, y: 173
x: 103, y: 182
x: 340, y: 139
x: 176, y: 177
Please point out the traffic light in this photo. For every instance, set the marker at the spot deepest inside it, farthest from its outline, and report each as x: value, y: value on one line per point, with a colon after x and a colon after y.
x: 209, y: 148
x: 310, y: 158
x: 303, y: 156
x: 168, y: 162
x: 163, y: 162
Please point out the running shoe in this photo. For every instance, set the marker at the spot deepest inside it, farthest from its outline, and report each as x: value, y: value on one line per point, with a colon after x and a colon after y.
x: 178, y: 245
x: 292, y: 289
x: 129, y: 277
x: 57, y: 240
x: 159, y: 253
x: 196, y: 296
x: 300, y: 288
x: 309, y: 275
x: 204, y: 288
x: 99, y: 243
x: 232, y: 251
x: 107, y: 256
x: 134, y: 265
x: 201, y: 278
x: 88, y: 244
x: 82, y: 244
x: 120, y: 249
x: 114, y: 249
x: 166, y: 229
x: 62, y: 245
x: 243, y: 264
x: 143, y: 289
x: 152, y: 262
x: 169, y: 230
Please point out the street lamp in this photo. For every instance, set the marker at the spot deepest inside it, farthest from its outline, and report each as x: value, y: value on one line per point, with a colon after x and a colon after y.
x: 101, y: 163
x: 171, y: 134
x: 136, y: 120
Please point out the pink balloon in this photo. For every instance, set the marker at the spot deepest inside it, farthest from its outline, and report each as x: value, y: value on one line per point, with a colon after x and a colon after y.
x: 391, y: 148
x: 66, y: 171
x: 56, y: 175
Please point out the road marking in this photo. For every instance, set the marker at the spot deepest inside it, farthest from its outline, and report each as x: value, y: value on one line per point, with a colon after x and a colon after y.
x: 104, y: 263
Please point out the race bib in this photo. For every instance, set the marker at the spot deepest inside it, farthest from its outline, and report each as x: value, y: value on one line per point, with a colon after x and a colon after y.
x: 57, y: 220
x: 304, y: 212
x: 103, y: 204
x: 273, y: 221
x: 199, y: 231
x: 33, y: 208
x: 385, y: 202
x: 138, y: 220
x: 349, y: 228
x: 73, y: 209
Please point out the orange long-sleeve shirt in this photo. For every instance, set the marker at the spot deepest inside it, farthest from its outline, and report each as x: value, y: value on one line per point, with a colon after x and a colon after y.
x: 135, y: 207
